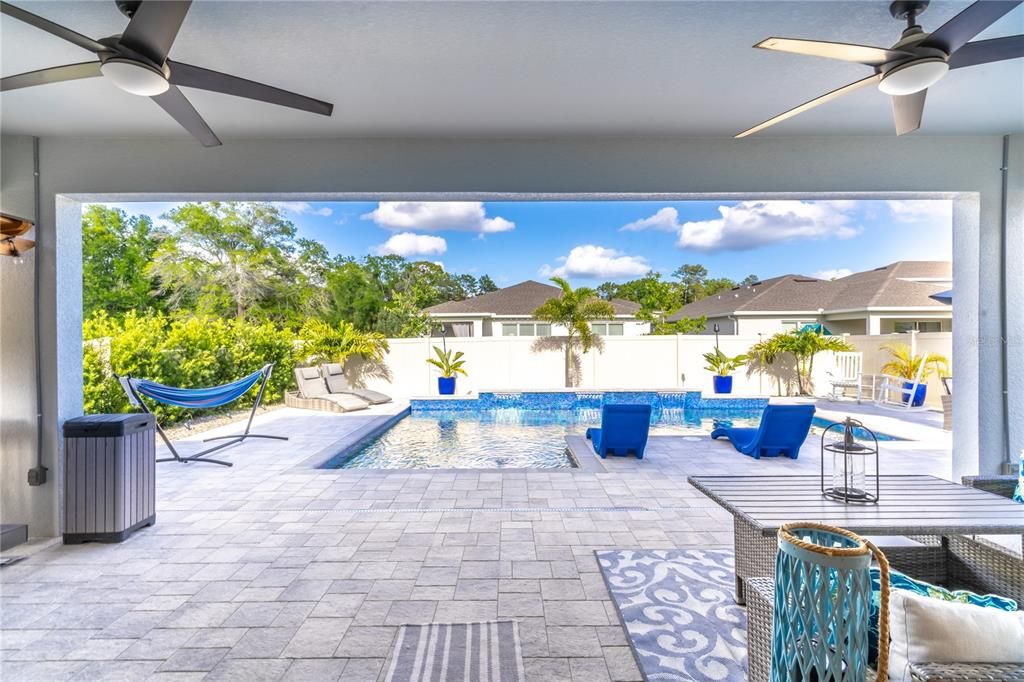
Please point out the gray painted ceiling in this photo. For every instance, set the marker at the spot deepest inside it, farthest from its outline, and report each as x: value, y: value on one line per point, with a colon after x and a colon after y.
x: 508, y: 69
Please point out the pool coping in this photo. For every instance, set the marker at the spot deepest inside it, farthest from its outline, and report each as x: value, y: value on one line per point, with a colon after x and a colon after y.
x: 347, y: 444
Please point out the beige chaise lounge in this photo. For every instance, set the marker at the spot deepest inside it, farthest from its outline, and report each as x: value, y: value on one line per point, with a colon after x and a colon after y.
x: 337, y: 383
x: 313, y: 390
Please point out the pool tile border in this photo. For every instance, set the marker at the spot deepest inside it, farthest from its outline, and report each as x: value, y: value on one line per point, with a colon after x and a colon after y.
x: 583, y: 399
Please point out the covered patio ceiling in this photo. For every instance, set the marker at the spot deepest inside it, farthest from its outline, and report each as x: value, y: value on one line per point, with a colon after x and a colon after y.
x: 508, y: 69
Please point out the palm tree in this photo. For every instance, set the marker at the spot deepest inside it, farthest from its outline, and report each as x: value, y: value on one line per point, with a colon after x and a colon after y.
x: 322, y: 342
x: 903, y: 363
x: 803, y: 345
x: 574, y: 310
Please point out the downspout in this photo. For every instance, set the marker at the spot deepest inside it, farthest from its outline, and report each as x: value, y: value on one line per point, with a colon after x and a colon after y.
x: 1008, y: 466
x: 37, y: 476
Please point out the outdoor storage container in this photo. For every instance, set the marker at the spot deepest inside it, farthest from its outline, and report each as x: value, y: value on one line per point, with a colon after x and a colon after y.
x: 110, y: 476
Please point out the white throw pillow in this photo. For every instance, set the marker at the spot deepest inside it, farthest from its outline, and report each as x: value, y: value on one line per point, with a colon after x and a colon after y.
x: 927, y: 630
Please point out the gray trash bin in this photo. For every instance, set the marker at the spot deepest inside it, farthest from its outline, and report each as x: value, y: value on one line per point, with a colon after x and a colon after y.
x: 109, y: 476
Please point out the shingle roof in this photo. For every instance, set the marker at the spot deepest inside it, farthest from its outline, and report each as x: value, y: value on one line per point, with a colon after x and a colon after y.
x: 518, y: 299
x: 891, y: 286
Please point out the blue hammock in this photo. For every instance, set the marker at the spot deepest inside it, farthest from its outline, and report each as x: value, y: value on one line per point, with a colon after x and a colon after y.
x: 200, y: 398
x: 197, y: 398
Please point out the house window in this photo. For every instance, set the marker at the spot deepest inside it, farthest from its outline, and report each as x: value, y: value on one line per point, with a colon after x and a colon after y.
x: 608, y: 328
x: 454, y: 329
x: 924, y: 326
x: 525, y: 329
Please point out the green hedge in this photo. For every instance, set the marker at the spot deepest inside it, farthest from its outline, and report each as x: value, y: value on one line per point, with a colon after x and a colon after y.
x: 194, y: 351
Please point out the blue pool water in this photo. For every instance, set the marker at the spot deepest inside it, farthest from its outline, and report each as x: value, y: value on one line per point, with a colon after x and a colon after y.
x: 514, y: 437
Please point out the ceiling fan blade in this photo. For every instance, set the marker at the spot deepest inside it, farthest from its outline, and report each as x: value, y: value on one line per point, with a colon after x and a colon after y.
x: 817, y: 101
x: 84, y: 42
x: 181, y: 110
x: 987, y: 51
x: 153, y: 28
x: 214, y: 81
x: 15, y: 246
x: 955, y: 33
x: 56, y: 74
x: 847, y: 52
x: 907, y: 111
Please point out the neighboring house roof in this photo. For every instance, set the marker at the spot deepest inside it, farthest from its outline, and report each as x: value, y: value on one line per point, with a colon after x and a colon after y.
x: 903, y: 284
x: 517, y: 300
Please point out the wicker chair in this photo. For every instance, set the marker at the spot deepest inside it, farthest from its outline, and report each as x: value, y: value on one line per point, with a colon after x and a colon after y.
x: 964, y: 562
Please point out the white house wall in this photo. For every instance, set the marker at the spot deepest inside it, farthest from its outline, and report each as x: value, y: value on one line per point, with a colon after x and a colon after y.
x: 795, y: 167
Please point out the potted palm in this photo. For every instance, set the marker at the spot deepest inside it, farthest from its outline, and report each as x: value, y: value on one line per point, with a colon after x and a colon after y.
x: 904, y: 364
x: 722, y: 366
x: 450, y: 364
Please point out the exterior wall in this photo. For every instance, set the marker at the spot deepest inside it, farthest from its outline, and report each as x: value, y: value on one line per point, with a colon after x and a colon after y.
x: 726, y: 325
x: 771, y: 324
x: 638, y: 362
x: 707, y: 168
x: 19, y: 503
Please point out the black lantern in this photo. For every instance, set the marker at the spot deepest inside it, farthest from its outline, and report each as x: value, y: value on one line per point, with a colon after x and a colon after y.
x: 851, y: 457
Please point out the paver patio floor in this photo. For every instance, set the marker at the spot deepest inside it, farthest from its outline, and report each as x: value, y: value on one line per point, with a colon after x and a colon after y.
x: 274, y: 570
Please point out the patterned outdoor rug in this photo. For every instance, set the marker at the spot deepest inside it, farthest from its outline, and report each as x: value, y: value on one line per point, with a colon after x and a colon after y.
x: 440, y: 652
x: 679, y: 611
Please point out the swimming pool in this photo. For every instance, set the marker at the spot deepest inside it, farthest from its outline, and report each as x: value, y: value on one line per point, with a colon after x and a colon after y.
x: 490, y: 434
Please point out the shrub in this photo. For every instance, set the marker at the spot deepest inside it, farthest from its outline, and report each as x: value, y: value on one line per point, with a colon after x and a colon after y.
x: 193, y: 351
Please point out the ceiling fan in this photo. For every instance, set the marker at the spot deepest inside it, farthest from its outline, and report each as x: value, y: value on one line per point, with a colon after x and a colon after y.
x: 914, y: 63
x: 136, y: 62
x: 11, y: 229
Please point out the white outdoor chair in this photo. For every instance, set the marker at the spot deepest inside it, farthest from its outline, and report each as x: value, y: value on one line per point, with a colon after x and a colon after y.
x: 898, y: 392
x: 848, y: 374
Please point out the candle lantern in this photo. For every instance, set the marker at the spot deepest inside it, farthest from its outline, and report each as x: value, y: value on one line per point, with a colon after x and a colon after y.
x: 851, y: 457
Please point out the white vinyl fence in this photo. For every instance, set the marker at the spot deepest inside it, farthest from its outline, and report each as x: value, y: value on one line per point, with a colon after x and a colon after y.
x: 621, y: 362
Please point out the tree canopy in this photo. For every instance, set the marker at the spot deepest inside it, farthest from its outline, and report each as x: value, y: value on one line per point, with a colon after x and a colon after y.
x: 245, y: 261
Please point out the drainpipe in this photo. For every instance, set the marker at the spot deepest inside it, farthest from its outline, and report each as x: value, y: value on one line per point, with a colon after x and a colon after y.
x: 37, y: 475
x: 1008, y: 466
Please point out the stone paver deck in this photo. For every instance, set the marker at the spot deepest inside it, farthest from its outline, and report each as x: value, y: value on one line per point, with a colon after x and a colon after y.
x: 275, y: 570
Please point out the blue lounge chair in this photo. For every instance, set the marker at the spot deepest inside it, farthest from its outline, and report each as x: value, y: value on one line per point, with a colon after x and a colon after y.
x: 623, y: 429
x: 782, y: 431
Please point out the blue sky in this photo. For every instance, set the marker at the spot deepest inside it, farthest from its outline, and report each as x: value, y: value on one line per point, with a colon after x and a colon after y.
x: 590, y: 242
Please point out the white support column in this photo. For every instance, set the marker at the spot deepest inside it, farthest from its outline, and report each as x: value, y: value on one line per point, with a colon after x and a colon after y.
x: 874, y: 325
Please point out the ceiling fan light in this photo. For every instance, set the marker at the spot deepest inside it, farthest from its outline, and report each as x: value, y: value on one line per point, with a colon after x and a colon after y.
x: 913, y: 77
x: 135, y: 77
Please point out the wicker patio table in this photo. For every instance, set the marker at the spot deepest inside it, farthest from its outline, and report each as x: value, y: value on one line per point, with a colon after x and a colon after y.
x: 925, y: 514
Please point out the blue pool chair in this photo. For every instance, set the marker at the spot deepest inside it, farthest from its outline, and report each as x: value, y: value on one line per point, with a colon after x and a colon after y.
x: 782, y: 431
x: 623, y: 429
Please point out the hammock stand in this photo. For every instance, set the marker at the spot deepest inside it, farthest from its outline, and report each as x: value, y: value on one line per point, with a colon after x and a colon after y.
x: 199, y: 398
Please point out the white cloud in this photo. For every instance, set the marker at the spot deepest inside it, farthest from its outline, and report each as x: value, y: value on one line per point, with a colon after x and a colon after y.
x: 302, y: 208
x: 750, y: 224
x: 409, y: 244
x: 589, y: 260
x: 834, y: 273
x: 921, y: 211
x: 666, y: 219
x: 437, y: 216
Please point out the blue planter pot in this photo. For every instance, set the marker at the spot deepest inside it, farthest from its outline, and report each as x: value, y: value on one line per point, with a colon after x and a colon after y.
x: 446, y: 385
x: 919, y: 394
x: 722, y: 384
